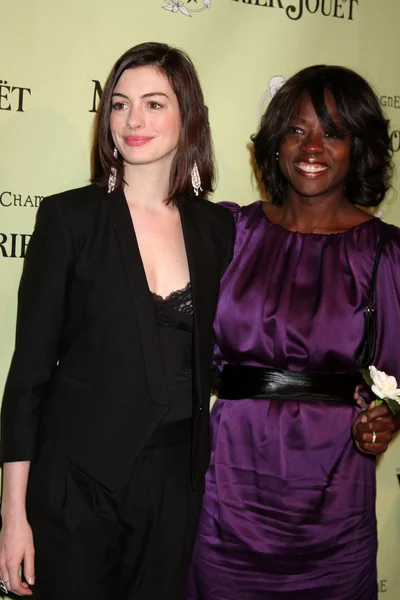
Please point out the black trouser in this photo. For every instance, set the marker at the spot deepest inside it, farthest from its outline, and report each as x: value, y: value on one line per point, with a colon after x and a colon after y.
x: 133, y: 543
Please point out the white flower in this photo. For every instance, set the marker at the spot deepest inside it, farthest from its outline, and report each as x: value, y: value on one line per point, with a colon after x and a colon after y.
x: 384, y: 386
x: 175, y: 6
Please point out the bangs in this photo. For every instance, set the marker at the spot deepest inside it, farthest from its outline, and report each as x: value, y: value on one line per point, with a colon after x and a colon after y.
x: 317, y: 94
x: 357, y: 113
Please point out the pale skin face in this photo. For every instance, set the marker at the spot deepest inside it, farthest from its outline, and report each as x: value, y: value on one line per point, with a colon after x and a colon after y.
x: 145, y: 119
x: 145, y: 124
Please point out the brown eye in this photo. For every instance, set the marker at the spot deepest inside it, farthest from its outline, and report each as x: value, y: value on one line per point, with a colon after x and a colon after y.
x: 295, y: 130
x: 339, y: 135
x: 118, y: 106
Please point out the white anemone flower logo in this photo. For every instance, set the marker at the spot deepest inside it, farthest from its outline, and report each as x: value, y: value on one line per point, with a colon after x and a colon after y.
x: 177, y: 6
x: 275, y: 83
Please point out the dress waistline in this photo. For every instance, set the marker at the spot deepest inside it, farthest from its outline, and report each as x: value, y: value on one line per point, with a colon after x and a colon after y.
x: 244, y: 381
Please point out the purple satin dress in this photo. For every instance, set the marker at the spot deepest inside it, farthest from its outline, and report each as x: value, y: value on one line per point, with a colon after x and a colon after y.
x: 289, y: 507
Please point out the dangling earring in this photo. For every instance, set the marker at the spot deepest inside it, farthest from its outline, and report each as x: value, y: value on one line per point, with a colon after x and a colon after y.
x: 277, y: 156
x: 196, y: 181
x: 113, y: 175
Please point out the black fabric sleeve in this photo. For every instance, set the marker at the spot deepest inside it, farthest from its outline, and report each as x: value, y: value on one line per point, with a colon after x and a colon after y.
x: 214, y: 372
x: 230, y: 244
x: 41, y: 312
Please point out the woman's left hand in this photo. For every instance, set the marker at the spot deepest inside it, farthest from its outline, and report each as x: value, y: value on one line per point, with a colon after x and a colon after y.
x: 373, y: 429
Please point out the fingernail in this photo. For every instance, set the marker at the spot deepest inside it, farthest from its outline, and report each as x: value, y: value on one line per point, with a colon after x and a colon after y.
x: 31, y: 580
x: 364, y: 419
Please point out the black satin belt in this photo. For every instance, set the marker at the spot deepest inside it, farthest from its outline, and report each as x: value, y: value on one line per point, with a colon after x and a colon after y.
x: 238, y: 382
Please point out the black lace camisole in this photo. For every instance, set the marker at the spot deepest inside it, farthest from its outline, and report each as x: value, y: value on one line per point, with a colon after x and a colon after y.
x: 174, y: 316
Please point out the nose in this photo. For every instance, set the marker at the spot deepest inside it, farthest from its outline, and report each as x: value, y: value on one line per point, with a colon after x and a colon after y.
x: 313, y: 143
x: 135, y: 118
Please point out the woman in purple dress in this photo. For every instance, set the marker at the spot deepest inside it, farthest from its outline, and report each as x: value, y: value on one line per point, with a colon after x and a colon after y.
x: 289, y: 507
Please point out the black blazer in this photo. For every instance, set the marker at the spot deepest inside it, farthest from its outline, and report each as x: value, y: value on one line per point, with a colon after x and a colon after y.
x: 87, y: 367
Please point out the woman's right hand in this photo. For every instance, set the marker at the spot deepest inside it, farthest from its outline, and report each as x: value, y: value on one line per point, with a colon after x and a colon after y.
x: 16, y: 547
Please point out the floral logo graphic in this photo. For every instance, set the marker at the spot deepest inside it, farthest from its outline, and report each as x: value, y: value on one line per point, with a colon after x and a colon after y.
x: 177, y: 6
x: 275, y: 83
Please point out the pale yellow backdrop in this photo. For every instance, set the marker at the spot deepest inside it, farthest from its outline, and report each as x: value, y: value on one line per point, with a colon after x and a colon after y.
x: 56, y: 48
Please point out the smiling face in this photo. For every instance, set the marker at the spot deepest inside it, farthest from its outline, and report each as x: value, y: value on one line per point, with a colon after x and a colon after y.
x: 145, y: 119
x: 314, y: 163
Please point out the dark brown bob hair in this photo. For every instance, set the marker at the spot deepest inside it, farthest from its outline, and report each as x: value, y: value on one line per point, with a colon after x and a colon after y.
x: 195, y: 143
x: 362, y: 117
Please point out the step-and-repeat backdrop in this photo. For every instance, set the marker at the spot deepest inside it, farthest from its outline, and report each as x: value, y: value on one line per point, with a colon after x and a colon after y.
x: 54, y: 60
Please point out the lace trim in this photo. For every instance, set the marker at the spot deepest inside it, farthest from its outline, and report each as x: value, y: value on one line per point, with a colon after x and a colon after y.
x: 172, y: 294
x: 178, y: 300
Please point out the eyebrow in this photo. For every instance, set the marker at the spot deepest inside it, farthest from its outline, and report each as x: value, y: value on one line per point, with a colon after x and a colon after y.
x: 149, y: 95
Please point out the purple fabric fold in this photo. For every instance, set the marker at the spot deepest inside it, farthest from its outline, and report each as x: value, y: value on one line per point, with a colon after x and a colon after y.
x: 289, y: 507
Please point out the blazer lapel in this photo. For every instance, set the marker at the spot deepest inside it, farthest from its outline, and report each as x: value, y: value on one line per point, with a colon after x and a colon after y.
x: 142, y: 302
x: 197, y: 269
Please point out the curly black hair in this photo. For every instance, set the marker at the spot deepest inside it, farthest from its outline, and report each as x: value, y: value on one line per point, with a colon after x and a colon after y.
x: 371, y: 155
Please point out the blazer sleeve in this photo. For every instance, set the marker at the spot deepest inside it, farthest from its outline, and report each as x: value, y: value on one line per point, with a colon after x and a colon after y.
x: 229, y: 246
x: 215, y: 375
x: 41, y: 312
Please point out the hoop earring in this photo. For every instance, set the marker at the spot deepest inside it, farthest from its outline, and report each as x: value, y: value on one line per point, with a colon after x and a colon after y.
x: 196, y: 181
x: 113, y: 174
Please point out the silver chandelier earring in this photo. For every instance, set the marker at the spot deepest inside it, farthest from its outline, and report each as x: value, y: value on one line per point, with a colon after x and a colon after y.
x: 196, y: 181
x: 113, y: 175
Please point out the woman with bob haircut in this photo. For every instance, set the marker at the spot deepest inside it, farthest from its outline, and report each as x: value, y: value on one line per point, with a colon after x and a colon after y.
x: 289, y: 506
x: 105, y: 429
